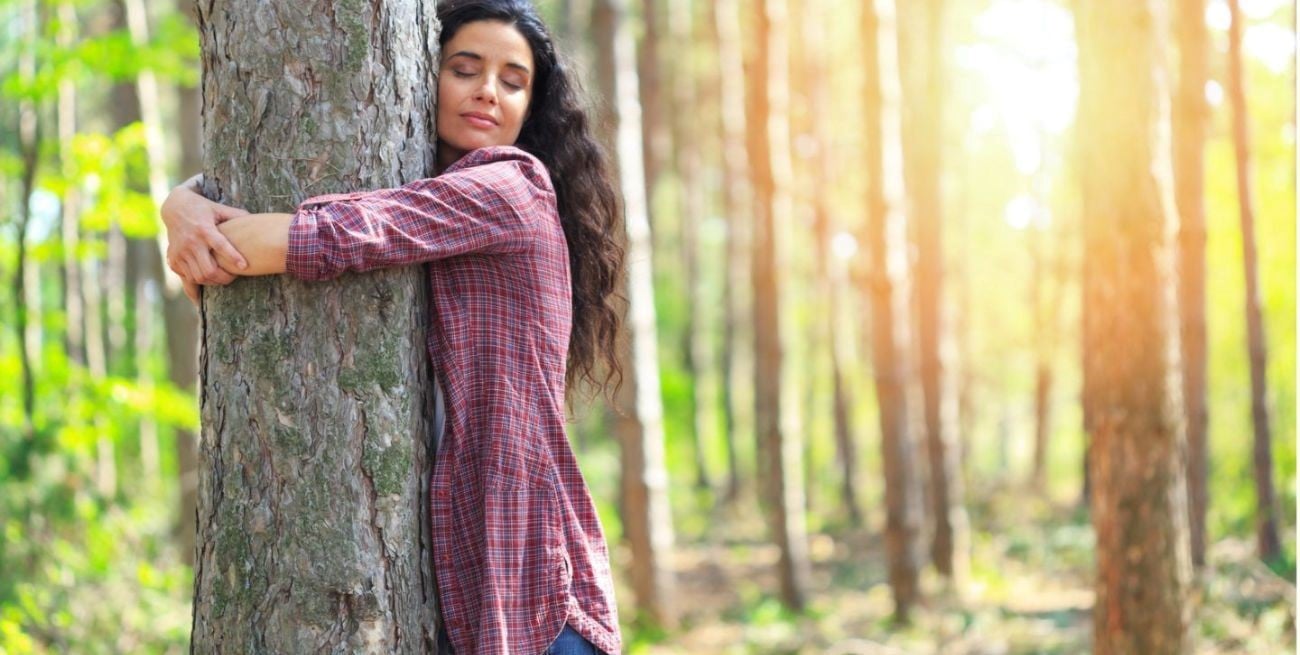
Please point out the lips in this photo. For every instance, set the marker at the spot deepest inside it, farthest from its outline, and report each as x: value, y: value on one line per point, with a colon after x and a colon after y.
x: 479, y: 120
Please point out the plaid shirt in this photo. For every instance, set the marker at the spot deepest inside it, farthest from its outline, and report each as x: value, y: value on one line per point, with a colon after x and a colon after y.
x: 517, y: 545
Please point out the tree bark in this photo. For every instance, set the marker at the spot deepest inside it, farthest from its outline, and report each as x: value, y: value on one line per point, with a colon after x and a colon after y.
x: 638, y: 419
x: 689, y: 141
x: 29, y: 153
x: 1270, y: 547
x: 726, y: 31
x: 656, y: 137
x: 69, y: 216
x: 1191, y: 115
x: 315, y: 397
x: 1138, y: 504
x: 830, y: 270
x: 920, y: 45
x: 902, y: 492
x: 774, y: 407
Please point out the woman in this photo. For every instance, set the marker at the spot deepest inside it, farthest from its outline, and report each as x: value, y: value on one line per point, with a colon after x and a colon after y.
x: 520, y: 232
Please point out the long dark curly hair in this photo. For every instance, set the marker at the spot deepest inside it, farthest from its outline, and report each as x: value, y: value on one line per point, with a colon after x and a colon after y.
x: 558, y: 132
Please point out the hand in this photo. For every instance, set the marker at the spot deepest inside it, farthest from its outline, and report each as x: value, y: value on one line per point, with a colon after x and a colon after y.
x: 193, y: 237
x: 191, y: 291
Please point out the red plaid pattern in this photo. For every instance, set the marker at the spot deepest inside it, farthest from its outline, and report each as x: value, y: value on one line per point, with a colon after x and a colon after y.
x: 518, y: 548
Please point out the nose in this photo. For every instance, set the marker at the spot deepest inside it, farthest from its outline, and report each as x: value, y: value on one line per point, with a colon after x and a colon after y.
x: 486, y: 92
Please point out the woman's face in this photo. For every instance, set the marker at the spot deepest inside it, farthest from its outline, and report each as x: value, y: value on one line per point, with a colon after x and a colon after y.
x: 484, y: 85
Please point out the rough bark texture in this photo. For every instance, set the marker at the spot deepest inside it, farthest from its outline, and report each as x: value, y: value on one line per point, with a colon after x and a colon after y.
x: 1130, y: 345
x: 1191, y: 114
x: 774, y: 407
x: 902, y: 491
x: 316, y: 440
x: 1270, y: 547
x: 638, y: 421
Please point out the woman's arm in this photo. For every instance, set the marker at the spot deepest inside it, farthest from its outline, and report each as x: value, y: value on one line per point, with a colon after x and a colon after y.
x: 263, y: 239
x: 192, y: 236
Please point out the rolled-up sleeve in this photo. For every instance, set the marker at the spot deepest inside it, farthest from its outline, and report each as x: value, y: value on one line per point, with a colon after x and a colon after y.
x: 492, y: 201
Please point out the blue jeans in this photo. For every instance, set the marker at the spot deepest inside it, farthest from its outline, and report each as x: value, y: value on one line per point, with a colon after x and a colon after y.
x: 571, y: 643
x: 568, y: 643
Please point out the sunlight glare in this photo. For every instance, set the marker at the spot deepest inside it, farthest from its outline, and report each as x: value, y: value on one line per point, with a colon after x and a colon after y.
x: 1213, y: 93
x: 844, y: 246
x: 1024, y: 211
x: 1218, y: 16
x: 1271, y: 44
x: 1026, y: 60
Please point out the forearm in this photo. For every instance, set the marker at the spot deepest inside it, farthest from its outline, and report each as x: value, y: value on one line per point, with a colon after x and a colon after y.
x: 263, y: 240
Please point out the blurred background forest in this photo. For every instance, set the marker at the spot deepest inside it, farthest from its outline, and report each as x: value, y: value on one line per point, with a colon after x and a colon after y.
x: 987, y: 245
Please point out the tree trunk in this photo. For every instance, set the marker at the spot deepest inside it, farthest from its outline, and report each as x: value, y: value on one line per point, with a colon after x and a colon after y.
x: 315, y: 397
x: 69, y: 215
x: 920, y: 46
x: 1270, y: 547
x: 1138, y: 504
x: 1191, y: 114
x: 638, y: 420
x: 1042, y: 422
x: 656, y: 138
x: 774, y: 407
x: 902, y: 493
x: 689, y: 141
x: 147, y: 254
x: 726, y: 31
x: 830, y: 270
x: 1048, y: 275
x: 29, y: 151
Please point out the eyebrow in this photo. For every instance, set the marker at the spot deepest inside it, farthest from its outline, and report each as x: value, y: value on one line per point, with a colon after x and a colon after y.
x: 478, y: 57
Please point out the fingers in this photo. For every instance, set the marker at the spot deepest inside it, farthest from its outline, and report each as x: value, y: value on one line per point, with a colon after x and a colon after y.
x: 221, y: 277
x: 226, y: 212
x: 200, y: 268
x: 225, y: 251
x: 192, y: 291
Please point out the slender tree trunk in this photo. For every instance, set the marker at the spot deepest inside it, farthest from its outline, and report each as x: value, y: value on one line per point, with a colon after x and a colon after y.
x: 830, y: 271
x: 1042, y: 422
x: 1270, y: 547
x: 147, y: 254
x: 902, y: 492
x: 736, y: 201
x: 1130, y: 345
x: 920, y: 45
x: 774, y: 407
x: 315, y: 397
x: 29, y: 148
x: 687, y: 158
x: 69, y: 228
x: 1191, y: 114
x: 638, y: 420
x: 1048, y: 279
x: 656, y: 137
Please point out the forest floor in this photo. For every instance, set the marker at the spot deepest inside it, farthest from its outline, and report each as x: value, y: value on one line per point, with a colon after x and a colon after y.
x: 1028, y: 590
